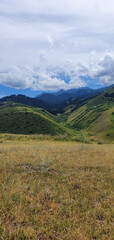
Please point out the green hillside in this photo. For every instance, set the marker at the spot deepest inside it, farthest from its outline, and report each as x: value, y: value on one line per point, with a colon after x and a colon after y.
x: 97, y: 115
x: 16, y: 118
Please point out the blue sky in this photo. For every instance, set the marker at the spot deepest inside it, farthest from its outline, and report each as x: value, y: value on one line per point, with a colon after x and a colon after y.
x: 6, y: 91
x: 50, y: 45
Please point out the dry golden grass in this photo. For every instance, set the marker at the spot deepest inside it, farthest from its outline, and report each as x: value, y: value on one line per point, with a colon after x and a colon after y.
x: 56, y: 190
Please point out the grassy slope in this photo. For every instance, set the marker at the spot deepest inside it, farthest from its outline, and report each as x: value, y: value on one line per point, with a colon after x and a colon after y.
x: 16, y: 118
x: 96, y: 115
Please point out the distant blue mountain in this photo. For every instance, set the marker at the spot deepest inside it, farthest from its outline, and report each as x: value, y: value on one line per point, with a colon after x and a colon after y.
x: 62, y: 95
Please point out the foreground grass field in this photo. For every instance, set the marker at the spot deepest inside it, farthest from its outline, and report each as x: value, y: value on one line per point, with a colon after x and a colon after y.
x: 56, y: 190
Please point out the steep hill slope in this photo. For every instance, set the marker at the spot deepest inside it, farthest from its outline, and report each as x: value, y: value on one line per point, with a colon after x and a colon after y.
x: 97, y: 115
x: 16, y: 118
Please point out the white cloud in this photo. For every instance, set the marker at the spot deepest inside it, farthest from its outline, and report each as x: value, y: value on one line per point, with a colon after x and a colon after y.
x: 54, y: 6
x: 45, y: 34
x: 104, y: 70
x: 37, y: 79
x: 17, y: 78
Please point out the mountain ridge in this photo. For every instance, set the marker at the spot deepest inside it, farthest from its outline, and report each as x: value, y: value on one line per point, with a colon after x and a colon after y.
x: 64, y: 95
x: 20, y: 114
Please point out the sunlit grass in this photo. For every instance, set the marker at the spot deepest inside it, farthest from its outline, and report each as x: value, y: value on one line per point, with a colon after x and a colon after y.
x: 56, y: 190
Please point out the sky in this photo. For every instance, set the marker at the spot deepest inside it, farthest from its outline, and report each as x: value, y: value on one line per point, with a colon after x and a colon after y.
x: 50, y: 45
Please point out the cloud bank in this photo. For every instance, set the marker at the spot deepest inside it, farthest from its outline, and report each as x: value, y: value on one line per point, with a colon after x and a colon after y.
x: 40, y: 40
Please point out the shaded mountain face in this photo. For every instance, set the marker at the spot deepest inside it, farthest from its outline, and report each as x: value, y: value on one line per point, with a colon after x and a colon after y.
x: 22, y: 99
x: 63, y: 96
x: 59, y: 92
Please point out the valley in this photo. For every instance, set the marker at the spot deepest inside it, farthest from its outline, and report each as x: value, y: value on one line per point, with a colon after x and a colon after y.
x: 81, y: 114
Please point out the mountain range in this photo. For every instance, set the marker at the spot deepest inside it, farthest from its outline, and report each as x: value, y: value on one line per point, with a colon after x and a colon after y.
x: 62, y: 95
x: 65, y: 112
